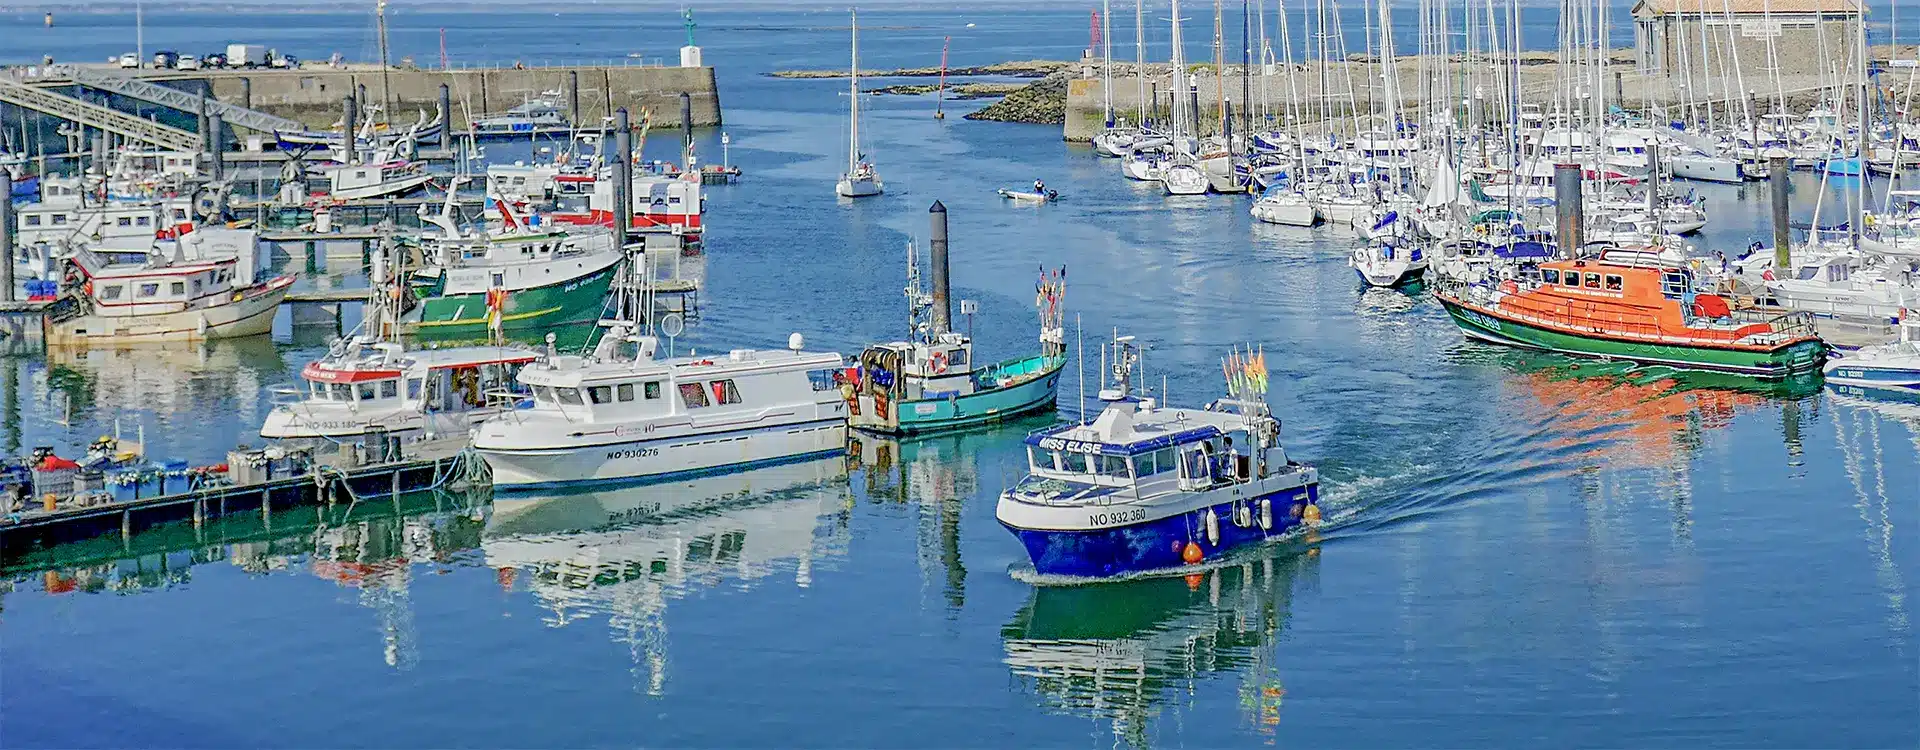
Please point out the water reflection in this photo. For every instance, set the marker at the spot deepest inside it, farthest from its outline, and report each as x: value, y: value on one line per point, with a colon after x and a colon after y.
x: 935, y: 474
x: 1864, y: 429
x: 1124, y: 652
x: 372, y: 547
x: 625, y: 553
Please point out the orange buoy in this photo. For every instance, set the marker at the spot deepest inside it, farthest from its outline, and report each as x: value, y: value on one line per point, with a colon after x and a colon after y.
x: 1192, y: 553
x: 1311, y: 515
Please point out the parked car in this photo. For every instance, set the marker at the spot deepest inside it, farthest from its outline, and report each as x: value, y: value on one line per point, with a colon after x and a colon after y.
x: 166, y: 58
x: 189, y: 62
x: 278, y: 60
x: 215, y: 60
x: 130, y: 60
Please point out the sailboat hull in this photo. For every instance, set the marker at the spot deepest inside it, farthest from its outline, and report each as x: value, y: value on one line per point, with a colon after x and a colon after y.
x: 857, y: 187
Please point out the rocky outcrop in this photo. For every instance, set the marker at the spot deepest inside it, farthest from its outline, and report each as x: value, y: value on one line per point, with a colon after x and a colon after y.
x: 962, y: 91
x: 1016, y: 69
x: 1043, y: 102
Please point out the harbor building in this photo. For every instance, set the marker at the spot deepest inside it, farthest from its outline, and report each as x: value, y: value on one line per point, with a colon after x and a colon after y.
x: 1712, y: 37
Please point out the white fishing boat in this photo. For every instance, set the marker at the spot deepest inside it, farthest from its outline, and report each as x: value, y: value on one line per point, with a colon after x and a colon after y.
x: 371, y: 383
x: 1148, y: 487
x: 385, y: 179
x: 1892, y: 368
x: 163, y: 300
x: 365, y: 385
x: 621, y: 414
x: 861, y: 179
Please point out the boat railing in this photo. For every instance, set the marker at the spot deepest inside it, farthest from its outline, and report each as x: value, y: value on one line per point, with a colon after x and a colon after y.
x: 504, y: 400
x: 285, y: 394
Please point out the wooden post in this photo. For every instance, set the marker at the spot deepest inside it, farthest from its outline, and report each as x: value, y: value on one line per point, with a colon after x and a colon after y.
x: 266, y: 508
x: 126, y: 527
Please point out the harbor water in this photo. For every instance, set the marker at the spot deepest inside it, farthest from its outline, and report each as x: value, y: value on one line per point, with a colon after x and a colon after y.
x: 1518, y: 550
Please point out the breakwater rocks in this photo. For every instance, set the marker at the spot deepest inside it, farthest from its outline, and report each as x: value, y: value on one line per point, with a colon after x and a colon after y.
x: 1016, y: 69
x: 961, y: 91
x: 1043, y: 102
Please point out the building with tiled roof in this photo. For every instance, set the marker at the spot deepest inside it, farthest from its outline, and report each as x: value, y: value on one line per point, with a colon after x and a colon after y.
x: 1695, y: 39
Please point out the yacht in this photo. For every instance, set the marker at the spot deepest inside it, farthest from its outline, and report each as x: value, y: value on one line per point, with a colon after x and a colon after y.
x: 531, y: 117
x: 1389, y: 261
x: 621, y: 414
x: 1892, y: 368
x: 861, y: 179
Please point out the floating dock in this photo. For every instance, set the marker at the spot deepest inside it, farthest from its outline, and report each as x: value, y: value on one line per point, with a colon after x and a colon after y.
x: 437, y: 464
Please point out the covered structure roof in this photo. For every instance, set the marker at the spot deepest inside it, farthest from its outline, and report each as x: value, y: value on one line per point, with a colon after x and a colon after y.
x: 1744, y: 7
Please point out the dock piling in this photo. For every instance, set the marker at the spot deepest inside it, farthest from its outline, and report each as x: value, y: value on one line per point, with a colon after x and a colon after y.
x: 216, y: 147
x: 6, y: 235
x: 937, y: 243
x: 622, y: 175
x: 686, y: 130
x: 445, y: 104
x: 1782, y: 236
x: 246, y: 92
x: 1569, y: 209
x: 351, y: 119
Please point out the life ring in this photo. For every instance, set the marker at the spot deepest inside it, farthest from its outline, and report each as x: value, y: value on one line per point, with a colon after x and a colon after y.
x: 938, y: 362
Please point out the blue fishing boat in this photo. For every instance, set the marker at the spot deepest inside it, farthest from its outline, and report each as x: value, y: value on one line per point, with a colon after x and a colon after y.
x: 1891, y: 369
x: 929, y: 382
x: 1147, y: 487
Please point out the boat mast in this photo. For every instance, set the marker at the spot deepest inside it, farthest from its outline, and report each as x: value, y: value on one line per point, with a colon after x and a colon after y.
x: 1140, y: 59
x: 853, y: 99
x: 940, y: 100
x: 1179, y: 82
x: 386, y: 88
x: 1106, y: 59
x: 1859, y: 214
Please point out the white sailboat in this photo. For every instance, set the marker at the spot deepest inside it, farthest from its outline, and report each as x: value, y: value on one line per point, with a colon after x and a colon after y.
x: 860, y: 179
x: 1182, y: 176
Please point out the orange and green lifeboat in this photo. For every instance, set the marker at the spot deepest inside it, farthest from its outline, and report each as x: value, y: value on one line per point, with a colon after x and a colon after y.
x: 1633, y: 306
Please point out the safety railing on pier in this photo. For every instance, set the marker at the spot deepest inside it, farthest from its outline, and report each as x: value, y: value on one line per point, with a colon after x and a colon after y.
x: 96, y: 116
x: 185, y: 101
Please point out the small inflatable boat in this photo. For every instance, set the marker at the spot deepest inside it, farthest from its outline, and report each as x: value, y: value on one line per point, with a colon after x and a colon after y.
x: 1030, y: 196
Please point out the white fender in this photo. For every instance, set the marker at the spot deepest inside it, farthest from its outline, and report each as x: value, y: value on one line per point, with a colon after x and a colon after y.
x: 1213, y: 528
x: 1266, y: 514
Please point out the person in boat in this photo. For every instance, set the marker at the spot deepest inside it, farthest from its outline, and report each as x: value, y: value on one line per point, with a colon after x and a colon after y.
x: 1039, y: 187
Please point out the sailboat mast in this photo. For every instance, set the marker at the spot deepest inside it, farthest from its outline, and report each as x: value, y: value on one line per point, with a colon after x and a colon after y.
x: 1179, y: 80
x: 1140, y: 58
x: 386, y: 87
x: 1859, y: 216
x: 853, y: 98
x: 1106, y: 59
x: 940, y: 100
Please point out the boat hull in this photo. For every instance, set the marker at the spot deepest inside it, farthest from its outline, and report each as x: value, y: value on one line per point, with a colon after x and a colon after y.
x: 857, y: 187
x: 459, y: 316
x: 932, y: 415
x: 1780, y: 362
x: 1706, y: 169
x: 646, y: 460
x: 1902, y: 377
x: 252, y: 315
x: 1159, y: 544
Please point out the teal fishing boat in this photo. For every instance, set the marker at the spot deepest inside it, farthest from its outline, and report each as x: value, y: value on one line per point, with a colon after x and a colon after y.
x: 930, y: 383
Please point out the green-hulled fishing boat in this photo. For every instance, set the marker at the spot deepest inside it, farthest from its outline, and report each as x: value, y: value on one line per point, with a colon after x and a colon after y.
x: 930, y: 383
x: 519, y: 279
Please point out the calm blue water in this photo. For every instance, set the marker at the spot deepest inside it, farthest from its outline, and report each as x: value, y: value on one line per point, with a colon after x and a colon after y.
x: 1522, y: 550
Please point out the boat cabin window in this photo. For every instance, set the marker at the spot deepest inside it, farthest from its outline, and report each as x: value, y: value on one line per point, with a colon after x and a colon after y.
x: 111, y: 291
x: 341, y: 392
x: 1573, y: 278
x: 59, y: 219
x: 1615, y: 283
x: 1111, y: 467
x: 725, y: 392
x: 1075, y: 463
x: 126, y: 221
x: 366, y: 391
x: 149, y: 290
x: 177, y: 289
x: 822, y: 380
x: 142, y: 220
x: 33, y: 220
x: 692, y: 396
x: 600, y: 394
x: 957, y: 358
x: 653, y: 390
x: 568, y: 396
x: 389, y: 388
x: 624, y: 391
x: 1593, y: 281
x: 317, y: 389
x: 1550, y: 275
